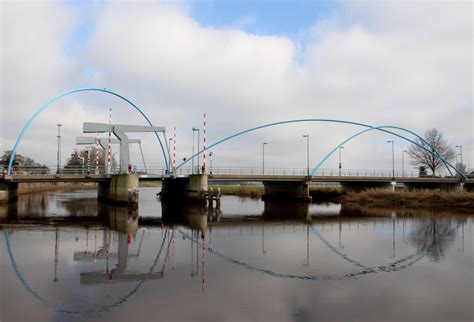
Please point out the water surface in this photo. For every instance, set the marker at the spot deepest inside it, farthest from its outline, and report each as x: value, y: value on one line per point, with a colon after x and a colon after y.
x: 65, y: 257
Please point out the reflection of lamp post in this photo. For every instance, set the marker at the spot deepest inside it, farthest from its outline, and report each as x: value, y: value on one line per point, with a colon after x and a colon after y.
x: 394, y: 215
x: 340, y: 164
x: 393, y: 158
x: 56, y: 255
x: 340, y: 234
x: 263, y: 240
x: 307, y: 152
x: 59, y: 148
x: 307, y: 245
x: 263, y: 157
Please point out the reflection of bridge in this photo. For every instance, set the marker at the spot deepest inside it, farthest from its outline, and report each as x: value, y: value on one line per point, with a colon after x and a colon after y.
x: 122, y: 187
x: 211, y: 246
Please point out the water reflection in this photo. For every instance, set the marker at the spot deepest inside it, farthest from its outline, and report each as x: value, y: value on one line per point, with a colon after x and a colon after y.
x: 93, y: 269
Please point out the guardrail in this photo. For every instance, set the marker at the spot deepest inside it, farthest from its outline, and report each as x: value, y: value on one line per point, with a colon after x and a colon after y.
x: 184, y: 171
x: 249, y: 171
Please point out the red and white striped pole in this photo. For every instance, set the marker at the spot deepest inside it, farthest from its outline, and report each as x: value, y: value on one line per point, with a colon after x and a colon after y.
x: 174, y: 149
x: 97, y: 153
x: 204, y: 147
x: 110, y: 141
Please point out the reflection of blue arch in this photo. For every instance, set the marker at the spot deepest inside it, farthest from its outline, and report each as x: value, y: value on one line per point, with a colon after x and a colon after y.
x: 38, y: 111
x: 371, y: 127
x: 364, y: 270
x: 46, y: 303
x: 381, y: 128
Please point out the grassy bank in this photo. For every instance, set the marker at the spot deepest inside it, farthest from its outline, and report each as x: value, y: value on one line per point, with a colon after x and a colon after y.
x: 256, y: 191
x: 252, y: 191
x: 24, y: 188
x: 413, y: 199
x: 150, y: 183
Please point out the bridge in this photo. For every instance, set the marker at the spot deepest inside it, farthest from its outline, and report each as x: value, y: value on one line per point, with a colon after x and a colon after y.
x: 121, y: 185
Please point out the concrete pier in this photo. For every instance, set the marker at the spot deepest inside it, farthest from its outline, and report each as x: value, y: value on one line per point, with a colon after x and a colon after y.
x: 192, y: 188
x: 122, y: 189
x: 286, y: 190
x: 8, y: 191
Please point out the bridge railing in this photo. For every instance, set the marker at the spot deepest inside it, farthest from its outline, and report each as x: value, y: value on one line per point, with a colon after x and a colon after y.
x: 52, y: 170
x: 236, y: 171
x: 258, y: 171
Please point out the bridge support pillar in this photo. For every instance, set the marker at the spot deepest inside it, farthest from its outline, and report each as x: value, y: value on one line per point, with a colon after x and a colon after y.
x: 192, y: 188
x: 122, y: 189
x: 8, y: 191
x: 286, y: 190
x: 469, y: 187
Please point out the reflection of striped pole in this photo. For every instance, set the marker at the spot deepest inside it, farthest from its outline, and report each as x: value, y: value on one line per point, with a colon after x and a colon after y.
x: 174, y: 149
x: 204, y: 148
x: 110, y: 140
x: 97, y: 153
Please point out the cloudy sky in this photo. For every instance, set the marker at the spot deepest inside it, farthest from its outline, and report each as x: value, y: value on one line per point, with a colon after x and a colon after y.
x: 244, y: 63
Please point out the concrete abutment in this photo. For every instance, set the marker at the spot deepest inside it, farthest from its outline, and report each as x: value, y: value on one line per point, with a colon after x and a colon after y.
x: 286, y: 191
x: 122, y: 189
x: 8, y: 191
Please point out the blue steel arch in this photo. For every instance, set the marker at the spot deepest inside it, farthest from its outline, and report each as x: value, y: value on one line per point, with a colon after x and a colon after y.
x: 38, y: 111
x: 381, y: 128
x: 371, y: 127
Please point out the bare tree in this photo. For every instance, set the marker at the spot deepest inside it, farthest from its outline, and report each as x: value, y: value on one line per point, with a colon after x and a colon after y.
x: 436, y: 144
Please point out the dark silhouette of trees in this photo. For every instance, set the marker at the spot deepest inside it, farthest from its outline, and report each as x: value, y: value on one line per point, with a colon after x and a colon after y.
x: 75, y: 161
x: 436, y: 144
x: 23, y: 163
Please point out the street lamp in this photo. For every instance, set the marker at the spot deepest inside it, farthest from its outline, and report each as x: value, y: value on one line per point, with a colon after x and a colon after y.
x: 210, y: 165
x: 170, y: 141
x: 198, y: 130
x: 263, y: 157
x: 307, y: 152
x: 59, y: 148
x: 460, y: 148
x: 340, y: 164
x: 393, y: 158
x: 403, y: 162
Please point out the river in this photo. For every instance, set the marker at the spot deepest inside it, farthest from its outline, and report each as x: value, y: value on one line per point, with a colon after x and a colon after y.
x: 66, y: 257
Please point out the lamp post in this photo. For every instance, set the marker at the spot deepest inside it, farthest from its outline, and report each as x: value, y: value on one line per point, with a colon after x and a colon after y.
x: 307, y: 153
x: 170, y: 141
x: 263, y: 157
x: 59, y: 148
x: 393, y: 158
x: 403, y: 162
x: 194, y: 130
x: 199, y: 145
x: 210, y: 159
x: 340, y: 164
x: 460, y: 152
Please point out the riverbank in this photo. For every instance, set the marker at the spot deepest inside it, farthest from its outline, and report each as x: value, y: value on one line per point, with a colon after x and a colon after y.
x: 433, y: 199
x: 430, y: 199
x: 24, y: 188
x: 256, y: 191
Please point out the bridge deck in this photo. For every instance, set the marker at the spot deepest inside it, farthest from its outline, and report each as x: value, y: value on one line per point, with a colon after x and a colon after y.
x: 19, y: 178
